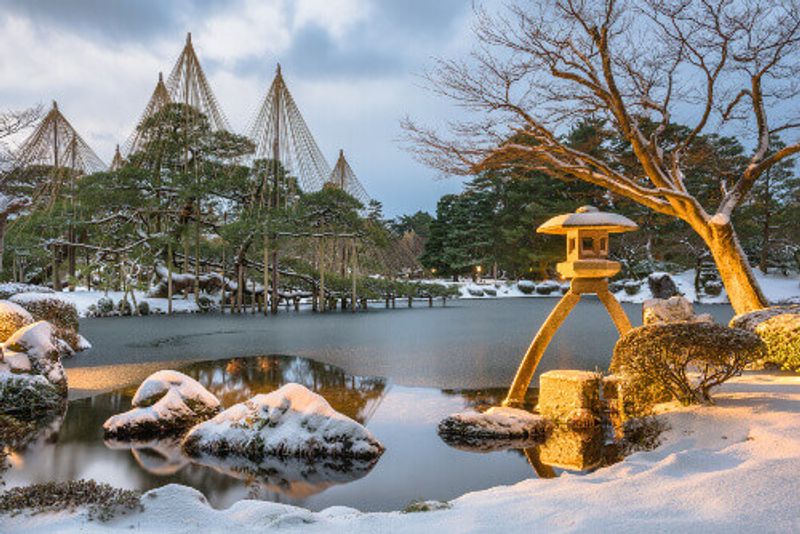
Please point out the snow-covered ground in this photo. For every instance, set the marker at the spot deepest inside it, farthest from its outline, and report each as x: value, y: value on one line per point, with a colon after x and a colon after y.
x: 731, y: 467
x: 776, y: 287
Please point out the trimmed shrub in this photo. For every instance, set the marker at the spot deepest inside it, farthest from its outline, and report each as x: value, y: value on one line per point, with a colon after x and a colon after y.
x: 682, y: 361
x: 12, y: 318
x: 105, y: 306
x: 27, y: 397
x: 59, y: 312
x: 632, y: 288
x: 713, y: 288
x: 781, y: 335
x: 206, y: 304
x: 547, y: 287
x: 526, y: 286
x: 143, y: 308
x: 124, y: 307
x: 101, y: 501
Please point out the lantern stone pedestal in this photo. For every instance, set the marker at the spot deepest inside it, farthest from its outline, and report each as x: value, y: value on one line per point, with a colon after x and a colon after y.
x: 588, y: 266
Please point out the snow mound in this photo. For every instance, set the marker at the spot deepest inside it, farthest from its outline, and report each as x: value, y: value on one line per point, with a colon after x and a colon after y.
x: 13, y: 288
x: 35, y: 349
x: 507, y: 425
x: 290, y: 421
x: 165, y: 403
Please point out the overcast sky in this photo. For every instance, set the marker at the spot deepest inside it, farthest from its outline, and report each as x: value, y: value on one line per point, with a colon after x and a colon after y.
x: 352, y: 66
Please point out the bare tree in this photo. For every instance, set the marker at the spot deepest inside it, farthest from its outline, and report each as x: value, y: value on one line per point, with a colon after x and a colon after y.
x: 12, y: 123
x: 541, y: 64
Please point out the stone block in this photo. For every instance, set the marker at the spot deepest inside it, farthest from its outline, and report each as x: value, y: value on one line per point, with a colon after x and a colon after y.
x: 573, y: 449
x: 566, y: 395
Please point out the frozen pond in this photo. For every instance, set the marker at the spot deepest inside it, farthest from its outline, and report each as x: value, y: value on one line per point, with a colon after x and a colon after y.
x: 467, y: 344
x: 398, y: 372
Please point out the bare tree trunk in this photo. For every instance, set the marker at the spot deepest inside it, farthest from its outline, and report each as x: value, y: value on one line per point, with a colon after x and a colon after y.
x: 170, y: 269
x: 275, y: 297
x: 3, y: 221
x: 56, y: 269
x: 737, y: 276
x: 266, y: 271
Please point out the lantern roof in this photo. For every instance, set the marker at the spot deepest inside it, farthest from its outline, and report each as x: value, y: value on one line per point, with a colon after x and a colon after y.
x: 588, y: 218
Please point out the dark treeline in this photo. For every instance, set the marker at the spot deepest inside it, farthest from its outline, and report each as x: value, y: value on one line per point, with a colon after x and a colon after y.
x: 492, y: 223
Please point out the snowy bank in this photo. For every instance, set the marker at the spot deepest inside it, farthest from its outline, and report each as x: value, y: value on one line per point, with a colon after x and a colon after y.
x: 731, y: 467
x: 777, y: 288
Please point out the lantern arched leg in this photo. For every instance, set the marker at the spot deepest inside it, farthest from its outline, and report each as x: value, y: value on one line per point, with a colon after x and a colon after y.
x: 516, y: 394
x: 615, y: 310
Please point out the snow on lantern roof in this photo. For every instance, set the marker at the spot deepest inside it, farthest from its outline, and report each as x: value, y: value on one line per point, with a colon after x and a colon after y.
x: 590, y: 218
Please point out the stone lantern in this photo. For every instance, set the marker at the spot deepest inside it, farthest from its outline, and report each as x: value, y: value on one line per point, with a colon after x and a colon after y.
x: 587, y: 265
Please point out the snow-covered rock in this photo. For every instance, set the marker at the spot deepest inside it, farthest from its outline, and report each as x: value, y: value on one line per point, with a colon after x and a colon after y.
x: 165, y: 403
x: 662, y: 286
x: 290, y: 421
x: 496, y: 423
x: 36, y: 349
x: 672, y: 310
x: 12, y: 318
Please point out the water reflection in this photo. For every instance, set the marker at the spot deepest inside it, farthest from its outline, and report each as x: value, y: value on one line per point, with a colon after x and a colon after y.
x: 416, y: 465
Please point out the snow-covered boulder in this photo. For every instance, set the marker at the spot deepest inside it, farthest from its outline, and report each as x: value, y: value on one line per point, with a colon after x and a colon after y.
x: 37, y: 350
x: 55, y: 309
x: 12, y: 318
x: 662, y: 286
x: 547, y: 287
x: 500, y: 423
x: 167, y: 402
x: 672, y: 310
x: 291, y: 421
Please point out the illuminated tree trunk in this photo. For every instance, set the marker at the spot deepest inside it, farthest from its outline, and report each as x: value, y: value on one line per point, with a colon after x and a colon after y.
x: 734, y: 269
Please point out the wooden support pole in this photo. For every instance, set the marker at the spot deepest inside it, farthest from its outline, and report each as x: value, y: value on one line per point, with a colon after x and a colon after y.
x: 354, y: 273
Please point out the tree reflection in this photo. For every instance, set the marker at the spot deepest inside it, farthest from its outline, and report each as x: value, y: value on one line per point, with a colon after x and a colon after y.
x: 234, y: 381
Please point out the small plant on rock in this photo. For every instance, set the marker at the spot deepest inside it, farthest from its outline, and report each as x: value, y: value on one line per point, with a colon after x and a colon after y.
x: 683, y: 361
